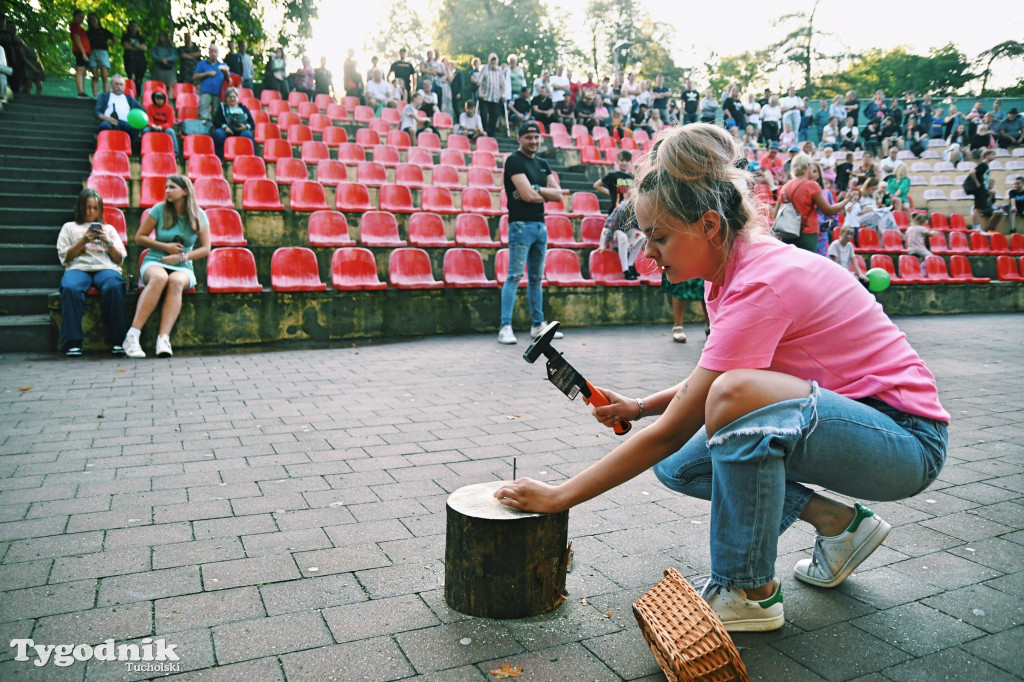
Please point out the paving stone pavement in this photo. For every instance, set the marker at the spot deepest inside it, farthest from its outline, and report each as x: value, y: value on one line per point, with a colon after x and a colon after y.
x: 281, y: 516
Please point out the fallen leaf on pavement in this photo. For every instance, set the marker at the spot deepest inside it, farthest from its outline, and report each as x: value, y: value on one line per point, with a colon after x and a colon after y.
x: 507, y: 670
x: 27, y: 388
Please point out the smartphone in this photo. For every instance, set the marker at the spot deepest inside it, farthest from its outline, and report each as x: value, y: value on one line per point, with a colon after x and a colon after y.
x: 96, y: 227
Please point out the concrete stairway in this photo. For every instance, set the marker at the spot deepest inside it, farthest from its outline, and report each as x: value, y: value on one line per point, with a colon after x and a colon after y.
x: 44, y: 161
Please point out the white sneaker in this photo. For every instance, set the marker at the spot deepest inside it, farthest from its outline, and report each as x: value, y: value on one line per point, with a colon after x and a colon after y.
x: 163, y: 347
x: 132, y: 347
x: 537, y: 329
x: 506, y: 336
x: 739, y: 614
x: 836, y: 557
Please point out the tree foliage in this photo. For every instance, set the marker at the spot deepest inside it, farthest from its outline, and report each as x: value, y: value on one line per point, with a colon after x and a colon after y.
x: 800, y: 48
x: 1008, y: 49
x: 942, y: 70
x: 401, y: 26
x: 609, y: 22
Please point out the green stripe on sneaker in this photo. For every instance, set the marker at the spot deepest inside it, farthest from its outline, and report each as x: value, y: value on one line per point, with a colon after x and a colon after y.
x: 861, y: 513
x: 774, y: 599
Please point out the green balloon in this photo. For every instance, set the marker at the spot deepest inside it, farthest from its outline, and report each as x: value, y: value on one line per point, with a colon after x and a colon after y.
x: 138, y: 119
x: 878, y: 279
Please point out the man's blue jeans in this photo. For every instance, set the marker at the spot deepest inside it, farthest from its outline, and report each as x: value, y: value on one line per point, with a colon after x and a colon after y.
x: 527, y: 246
x: 752, y: 471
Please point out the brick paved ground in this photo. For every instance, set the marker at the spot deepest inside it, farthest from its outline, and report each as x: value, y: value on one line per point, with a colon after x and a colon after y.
x: 280, y: 515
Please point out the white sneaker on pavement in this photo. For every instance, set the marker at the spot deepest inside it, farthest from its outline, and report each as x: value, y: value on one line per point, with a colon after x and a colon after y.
x: 163, y: 347
x: 835, y: 557
x: 536, y: 330
x: 506, y: 336
x: 739, y: 614
x: 132, y: 347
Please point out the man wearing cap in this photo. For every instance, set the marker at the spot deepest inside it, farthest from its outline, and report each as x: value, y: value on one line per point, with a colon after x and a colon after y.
x: 490, y: 83
x: 771, y: 161
x: 528, y: 184
x: 161, y: 118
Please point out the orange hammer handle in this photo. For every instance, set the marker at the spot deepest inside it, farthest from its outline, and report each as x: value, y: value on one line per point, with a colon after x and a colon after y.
x: 598, y: 399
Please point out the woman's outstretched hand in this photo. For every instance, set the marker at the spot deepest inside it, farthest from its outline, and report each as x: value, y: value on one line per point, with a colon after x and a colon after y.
x: 618, y: 408
x: 530, y: 495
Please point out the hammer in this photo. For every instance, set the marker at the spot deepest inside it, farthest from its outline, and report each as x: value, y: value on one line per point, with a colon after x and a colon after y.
x: 564, y: 376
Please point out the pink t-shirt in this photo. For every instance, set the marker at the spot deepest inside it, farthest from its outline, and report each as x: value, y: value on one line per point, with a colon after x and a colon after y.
x: 788, y: 310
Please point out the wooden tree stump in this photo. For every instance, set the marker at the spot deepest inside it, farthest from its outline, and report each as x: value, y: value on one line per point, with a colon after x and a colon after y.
x: 501, y: 562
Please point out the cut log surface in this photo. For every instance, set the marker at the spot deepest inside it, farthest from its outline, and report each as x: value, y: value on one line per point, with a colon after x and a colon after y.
x: 501, y: 562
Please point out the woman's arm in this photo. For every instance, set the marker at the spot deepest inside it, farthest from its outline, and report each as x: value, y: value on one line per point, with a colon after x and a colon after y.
x: 829, y: 209
x: 683, y: 416
x: 203, y: 250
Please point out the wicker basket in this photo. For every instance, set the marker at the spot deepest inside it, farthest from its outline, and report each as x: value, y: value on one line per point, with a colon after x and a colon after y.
x: 686, y: 637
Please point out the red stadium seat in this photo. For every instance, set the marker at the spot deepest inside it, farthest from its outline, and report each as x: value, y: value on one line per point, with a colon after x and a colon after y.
x: 960, y: 270
x: 308, y: 110
x: 352, y: 197
x: 275, y: 150
x: 397, y: 199
x: 459, y: 142
x: 592, y: 155
x: 421, y: 157
x: 445, y: 176
x: 885, y: 262
x: 329, y: 228
x: 197, y: 144
x: 472, y: 230
x: 205, y: 166
x: 409, y: 175
x: 939, y: 222
x: 590, y: 231
x: 560, y: 232
x: 288, y: 119
x: 398, y: 139
x: 183, y: 87
x: 937, y: 244
x: 583, y: 140
x: 555, y: 208
x: 979, y: 243
x: 268, y: 96
x: 267, y: 131
x: 294, y: 268
x: 484, y: 159
x: 333, y: 137
x: 605, y: 269
x: 409, y: 268
x: 152, y: 190
x: 261, y: 195
x: 112, y: 188
x: 379, y: 228
x: 428, y: 140
x: 287, y: 171
x: 910, y: 269
x: 957, y: 222
x: 391, y: 116
x: 1017, y: 243
x: 501, y: 269
x: 307, y: 195
x: 650, y: 273
x: 585, y: 204
x: 599, y: 132
x: 363, y: 114
x: 115, y: 218
x: 337, y: 112
x: 453, y: 157
x: 427, y: 229
x: 478, y: 200
x: 225, y: 227
x: 901, y: 218
x: 278, y: 107
x: 248, y: 168
x: 487, y: 144
x: 386, y: 156
x: 892, y: 242
x: 329, y: 173
x: 606, y: 143
x: 159, y: 143
x: 958, y: 242
x: 371, y: 174
x: 323, y: 101
x: 562, y: 268
x: 350, y: 102
x: 255, y: 108
x: 231, y: 270
x: 114, y: 140
x: 295, y: 98
x: 562, y: 141
x: 1007, y: 270
x: 312, y: 152
x: 110, y: 162
x: 236, y: 146
x: 640, y: 135
x: 442, y: 120
x: 503, y: 230
x: 367, y: 138
x: 188, y: 113
x: 482, y: 177
x: 298, y: 133
x: 351, y: 153
x: 935, y: 269
x: 437, y: 200
x: 628, y: 143
x: 867, y: 240
x: 355, y: 269
x: 464, y: 269
x: 381, y: 126
x: 998, y: 243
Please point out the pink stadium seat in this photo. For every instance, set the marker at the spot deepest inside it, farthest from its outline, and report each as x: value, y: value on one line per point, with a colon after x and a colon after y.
x: 867, y: 241
x: 464, y: 269
x: 267, y: 131
x: 397, y: 199
x: 892, y: 242
x: 484, y: 159
x: 275, y: 150
x: 379, y: 228
x: 442, y: 120
x: 307, y: 195
x: 478, y: 200
x: 278, y: 107
x: 487, y: 144
x: 599, y: 132
x: 298, y: 133
x: 261, y: 195
x: 333, y: 137
x: 453, y: 157
x: 329, y: 173
x: 482, y: 177
x: 115, y: 218
x: 437, y: 200
x: 472, y: 230
x: 112, y: 188
x: 231, y: 270
x: 605, y: 269
x: 312, y: 152
x: 371, y: 174
x: 503, y: 229
x: 289, y: 170
x: 428, y: 140
x: 308, y: 110
x: 1007, y: 270
x: 159, y: 143
x: 399, y: 139
x: 553, y: 208
x: 427, y: 229
x: 294, y: 268
x: 338, y: 112
x: 295, y: 98
x: 585, y: 204
x: 386, y: 156
x: 960, y: 271
x: 501, y: 269
x: 391, y: 116
x: 421, y: 157
x: 225, y: 227
x: 628, y: 143
x: 562, y: 268
x: 352, y: 197
x: 367, y: 138
x: 350, y: 102
x: 354, y: 269
x: 110, y: 162
x: 560, y: 232
x: 288, y: 119
x: 248, y: 168
x: 459, y: 142
x: 591, y: 228
x: 583, y: 140
x: 562, y: 141
x: 938, y: 221
x: 910, y: 269
x: 351, y: 153
x: 935, y: 269
x: 204, y: 166
x: 958, y: 242
x: 409, y: 268
x: 445, y: 176
x: 381, y: 126
x: 409, y: 175
x: 323, y: 101
x: 268, y: 96
x: 606, y: 143
x: 188, y: 113
x: 238, y: 146
x: 152, y: 190
x: 115, y: 140
x: 362, y: 114
x: 329, y: 228
x: 197, y: 144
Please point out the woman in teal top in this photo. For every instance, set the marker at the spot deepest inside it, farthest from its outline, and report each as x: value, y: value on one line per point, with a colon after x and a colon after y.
x: 176, y: 232
x: 898, y: 186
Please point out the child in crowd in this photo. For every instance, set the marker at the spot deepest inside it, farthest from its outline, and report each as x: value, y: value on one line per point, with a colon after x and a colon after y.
x: 617, y: 183
x: 916, y: 235
x: 413, y: 120
x: 470, y: 123
x: 622, y: 234
x: 788, y: 137
x: 841, y: 251
x: 828, y: 165
x: 161, y: 117
x: 843, y: 172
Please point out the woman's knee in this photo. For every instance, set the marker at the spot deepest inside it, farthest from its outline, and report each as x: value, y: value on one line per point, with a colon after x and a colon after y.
x: 738, y: 392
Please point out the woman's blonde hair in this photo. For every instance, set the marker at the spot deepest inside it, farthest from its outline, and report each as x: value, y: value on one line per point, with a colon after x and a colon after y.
x: 800, y: 164
x: 698, y: 168
x: 191, y: 211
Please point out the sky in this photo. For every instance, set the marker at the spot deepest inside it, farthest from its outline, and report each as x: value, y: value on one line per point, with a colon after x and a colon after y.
x: 745, y: 25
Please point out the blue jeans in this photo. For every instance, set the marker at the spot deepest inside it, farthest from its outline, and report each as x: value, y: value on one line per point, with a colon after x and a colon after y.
x: 752, y: 470
x: 73, y: 286
x: 527, y: 246
x: 133, y: 133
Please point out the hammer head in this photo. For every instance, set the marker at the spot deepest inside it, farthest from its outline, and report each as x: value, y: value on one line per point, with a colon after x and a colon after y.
x: 542, y: 344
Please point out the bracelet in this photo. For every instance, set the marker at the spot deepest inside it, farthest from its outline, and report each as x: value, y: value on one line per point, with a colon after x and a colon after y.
x: 642, y: 413
x: 183, y: 259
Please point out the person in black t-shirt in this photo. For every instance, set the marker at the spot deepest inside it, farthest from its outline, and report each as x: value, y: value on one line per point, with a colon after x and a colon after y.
x: 520, y: 109
x: 1016, y: 205
x: 983, y: 194
x: 99, y: 58
x: 543, y: 107
x: 403, y: 69
x: 733, y: 107
x: 690, y: 100
x: 843, y: 172
x: 617, y: 183
x: 528, y: 184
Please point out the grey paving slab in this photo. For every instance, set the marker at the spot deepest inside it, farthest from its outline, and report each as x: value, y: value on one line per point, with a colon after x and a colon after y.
x: 199, y: 514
